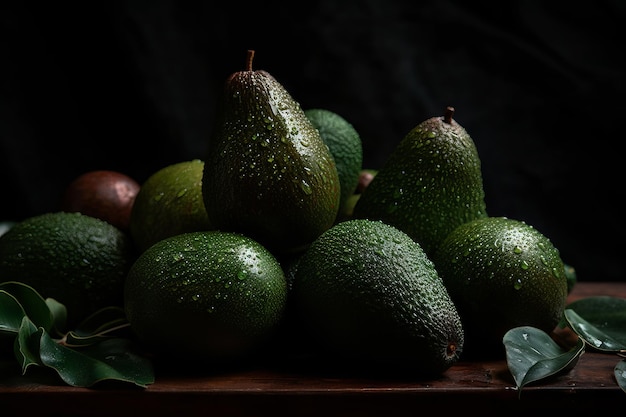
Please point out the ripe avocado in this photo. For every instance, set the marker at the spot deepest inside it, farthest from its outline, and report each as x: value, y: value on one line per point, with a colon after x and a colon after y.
x: 430, y: 184
x: 267, y: 166
x: 501, y: 273
x: 366, y: 293
x: 345, y: 146
x: 79, y: 260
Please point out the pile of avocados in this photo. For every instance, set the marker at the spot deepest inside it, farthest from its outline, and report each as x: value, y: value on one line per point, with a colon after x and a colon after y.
x: 271, y: 175
x: 401, y: 269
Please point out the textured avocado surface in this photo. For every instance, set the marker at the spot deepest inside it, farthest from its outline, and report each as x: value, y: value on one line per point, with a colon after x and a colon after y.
x: 367, y: 292
x: 502, y: 273
x: 79, y: 260
x: 344, y: 143
x: 431, y: 183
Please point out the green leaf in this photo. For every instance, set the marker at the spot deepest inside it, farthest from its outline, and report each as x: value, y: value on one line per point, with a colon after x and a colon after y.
x: 600, y: 321
x: 103, y: 324
x: 102, y: 356
x: 32, y: 303
x: 111, y: 359
x: 59, y: 313
x: 101, y: 320
x: 11, y: 314
x: 533, y: 355
x: 26, y: 347
x: 620, y: 374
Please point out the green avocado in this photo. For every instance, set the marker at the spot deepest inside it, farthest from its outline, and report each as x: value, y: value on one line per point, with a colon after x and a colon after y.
x: 345, y: 146
x: 366, y: 295
x: 268, y: 173
x: 501, y: 273
x: 430, y: 184
x: 79, y: 260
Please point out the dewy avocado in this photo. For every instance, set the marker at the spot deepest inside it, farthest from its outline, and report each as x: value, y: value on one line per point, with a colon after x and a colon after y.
x: 268, y: 173
x: 366, y: 294
x: 430, y: 184
x: 79, y: 260
x: 345, y: 146
x: 501, y: 273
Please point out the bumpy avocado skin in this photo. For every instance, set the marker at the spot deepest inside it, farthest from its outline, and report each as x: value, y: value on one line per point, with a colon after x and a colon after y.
x: 501, y: 273
x: 344, y: 143
x: 431, y: 183
x: 365, y: 293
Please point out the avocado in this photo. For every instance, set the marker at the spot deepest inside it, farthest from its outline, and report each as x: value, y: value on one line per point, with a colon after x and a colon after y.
x: 268, y: 173
x: 215, y: 297
x: 169, y: 202
x: 430, y: 184
x: 501, y: 273
x: 345, y: 146
x: 79, y: 260
x: 367, y: 296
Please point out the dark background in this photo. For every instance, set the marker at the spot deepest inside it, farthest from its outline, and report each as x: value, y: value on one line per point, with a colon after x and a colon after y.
x: 131, y: 86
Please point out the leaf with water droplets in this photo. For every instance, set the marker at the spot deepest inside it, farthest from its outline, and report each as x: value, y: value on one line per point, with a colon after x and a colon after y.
x: 533, y: 355
x: 600, y: 321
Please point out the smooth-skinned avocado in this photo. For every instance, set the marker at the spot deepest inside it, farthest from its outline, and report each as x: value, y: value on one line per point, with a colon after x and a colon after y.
x: 169, y: 202
x: 268, y: 173
x: 209, y: 296
x: 430, y: 184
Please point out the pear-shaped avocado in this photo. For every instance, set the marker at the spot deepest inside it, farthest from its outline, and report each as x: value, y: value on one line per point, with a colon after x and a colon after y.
x: 430, y: 184
x: 268, y: 173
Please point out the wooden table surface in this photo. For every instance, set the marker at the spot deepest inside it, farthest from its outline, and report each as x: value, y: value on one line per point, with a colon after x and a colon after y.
x: 468, y: 388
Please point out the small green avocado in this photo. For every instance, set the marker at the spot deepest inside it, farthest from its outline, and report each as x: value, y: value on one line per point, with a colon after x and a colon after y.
x: 345, y: 146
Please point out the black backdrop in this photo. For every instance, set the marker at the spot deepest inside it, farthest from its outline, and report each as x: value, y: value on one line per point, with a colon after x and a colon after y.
x: 131, y: 86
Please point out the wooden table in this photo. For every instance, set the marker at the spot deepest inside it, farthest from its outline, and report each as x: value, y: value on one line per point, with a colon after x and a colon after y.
x: 468, y: 388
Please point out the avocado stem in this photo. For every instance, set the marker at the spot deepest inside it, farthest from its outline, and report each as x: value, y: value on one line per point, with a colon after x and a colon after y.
x: 249, y: 58
x: 447, y: 117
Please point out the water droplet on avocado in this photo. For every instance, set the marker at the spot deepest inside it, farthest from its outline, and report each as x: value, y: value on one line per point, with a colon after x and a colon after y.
x: 306, y: 187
